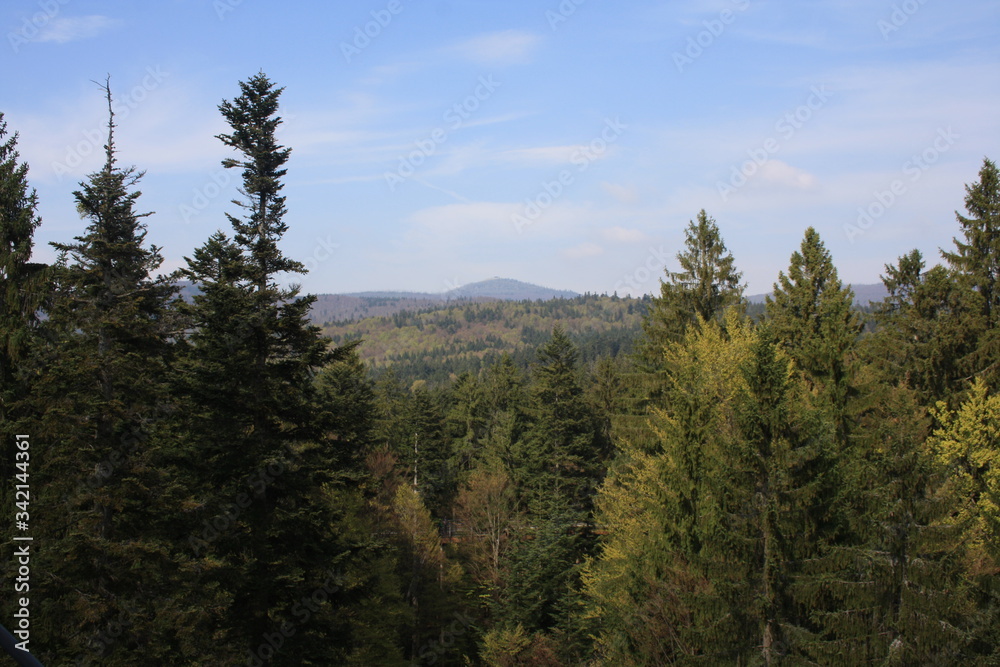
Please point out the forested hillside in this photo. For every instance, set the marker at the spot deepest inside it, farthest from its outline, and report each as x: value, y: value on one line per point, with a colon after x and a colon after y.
x: 213, y: 481
x: 439, y: 343
x: 334, y: 308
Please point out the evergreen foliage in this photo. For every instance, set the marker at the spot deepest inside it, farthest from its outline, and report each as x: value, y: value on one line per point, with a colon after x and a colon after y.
x: 214, y: 481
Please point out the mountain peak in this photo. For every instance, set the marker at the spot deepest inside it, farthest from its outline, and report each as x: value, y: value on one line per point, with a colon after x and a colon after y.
x: 507, y: 289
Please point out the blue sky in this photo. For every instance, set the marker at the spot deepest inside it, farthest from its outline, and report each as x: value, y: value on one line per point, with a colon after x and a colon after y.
x: 567, y: 143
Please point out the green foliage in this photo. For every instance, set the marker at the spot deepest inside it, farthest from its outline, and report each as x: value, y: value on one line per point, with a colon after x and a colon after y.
x: 495, y: 483
x: 923, y: 336
x: 812, y: 315
x: 439, y: 344
x: 99, y: 400
x: 706, y: 285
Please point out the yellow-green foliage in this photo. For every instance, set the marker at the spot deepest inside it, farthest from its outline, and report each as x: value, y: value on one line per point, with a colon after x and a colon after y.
x: 631, y: 587
x: 968, y: 445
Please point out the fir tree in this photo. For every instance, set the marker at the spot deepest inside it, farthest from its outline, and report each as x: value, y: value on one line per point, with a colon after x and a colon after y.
x: 560, y: 452
x: 20, y: 289
x: 923, y: 334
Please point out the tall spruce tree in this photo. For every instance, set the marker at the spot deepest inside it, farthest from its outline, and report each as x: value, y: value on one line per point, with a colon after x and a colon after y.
x: 560, y: 452
x: 706, y: 285
x: 100, y: 402
x: 261, y: 441
x: 812, y: 315
x: 976, y: 261
x: 21, y: 295
x: 20, y: 289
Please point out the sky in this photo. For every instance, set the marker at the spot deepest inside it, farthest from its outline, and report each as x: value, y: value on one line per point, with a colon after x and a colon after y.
x: 566, y: 143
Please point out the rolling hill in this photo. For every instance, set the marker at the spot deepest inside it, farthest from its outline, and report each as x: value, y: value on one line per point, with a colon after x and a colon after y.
x: 330, y: 308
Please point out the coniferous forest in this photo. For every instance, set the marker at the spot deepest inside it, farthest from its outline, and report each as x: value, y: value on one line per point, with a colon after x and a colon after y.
x: 211, y: 481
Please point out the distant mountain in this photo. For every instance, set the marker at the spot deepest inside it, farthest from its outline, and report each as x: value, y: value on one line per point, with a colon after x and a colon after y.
x: 506, y: 289
x: 863, y: 294
x: 357, y: 305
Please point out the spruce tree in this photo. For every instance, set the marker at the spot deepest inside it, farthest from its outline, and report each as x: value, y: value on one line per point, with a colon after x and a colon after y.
x: 977, y: 256
x: 20, y: 289
x: 706, y: 285
x: 262, y: 442
x: 100, y: 403
x: 976, y: 261
x: 560, y: 452
x: 923, y: 336
x: 812, y: 315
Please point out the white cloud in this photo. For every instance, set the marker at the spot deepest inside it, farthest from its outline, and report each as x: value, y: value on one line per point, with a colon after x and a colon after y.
x: 70, y: 29
x: 505, y: 47
x: 540, y: 155
x: 583, y: 251
x: 626, y: 194
x: 478, y: 217
x: 623, y: 235
x: 776, y: 172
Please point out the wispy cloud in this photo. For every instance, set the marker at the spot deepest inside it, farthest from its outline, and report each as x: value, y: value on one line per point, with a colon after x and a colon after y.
x: 626, y: 194
x: 507, y: 47
x: 623, y: 235
x: 583, y: 251
x: 73, y: 28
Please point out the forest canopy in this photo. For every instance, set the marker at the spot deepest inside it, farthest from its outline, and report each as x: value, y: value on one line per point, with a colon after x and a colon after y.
x: 214, y: 481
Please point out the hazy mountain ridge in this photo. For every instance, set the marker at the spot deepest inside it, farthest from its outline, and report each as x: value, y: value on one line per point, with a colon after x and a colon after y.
x: 357, y: 305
